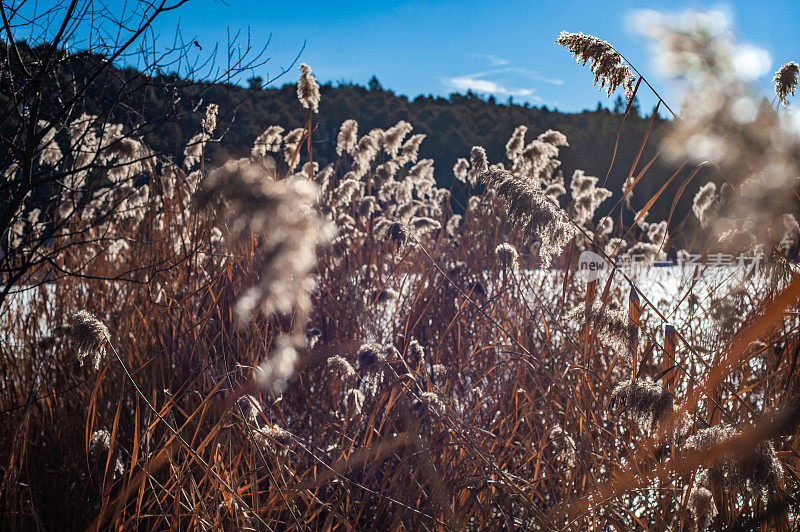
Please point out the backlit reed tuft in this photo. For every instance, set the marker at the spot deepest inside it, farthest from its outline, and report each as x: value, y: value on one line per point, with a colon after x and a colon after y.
x: 347, y: 138
x: 423, y: 225
x: 313, y: 337
x: 99, y: 448
x: 704, y: 203
x: 434, y: 402
x: 369, y: 356
x: 453, y: 224
x: 347, y: 190
x: 606, y: 63
x: 90, y: 337
x: 554, y: 138
x: 272, y: 439
x: 251, y: 409
x: 291, y: 147
x: 393, y: 140
x: 353, y: 402
x: 341, y: 366
x: 367, y: 206
x: 605, y: 226
x: 460, y: 169
x: 397, y: 232
x: 786, y: 81
x: 410, y: 149
x: 516, y: 143
x: 756, y: 473
x: 701, y: 506
x: 415, y: 355
x: 478, y: 163
x: 507, y: 257
x: 647, y: 401
x: 611, y: 326
x: 308, y: 89
x: 535, y: 214
x: 210, y: 120
x: 586, y: 196
x: 268, y: 141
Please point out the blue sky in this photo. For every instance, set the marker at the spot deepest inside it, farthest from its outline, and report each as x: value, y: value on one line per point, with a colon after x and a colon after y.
x: 505, y: 48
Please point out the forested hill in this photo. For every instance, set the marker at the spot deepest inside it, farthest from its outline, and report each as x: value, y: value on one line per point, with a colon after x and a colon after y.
x: 452, y: 125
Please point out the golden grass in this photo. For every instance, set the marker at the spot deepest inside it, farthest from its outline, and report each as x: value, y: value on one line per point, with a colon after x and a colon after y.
x: 517, y: 371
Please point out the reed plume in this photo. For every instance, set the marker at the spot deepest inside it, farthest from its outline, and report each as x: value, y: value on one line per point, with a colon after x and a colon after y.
x: 607, y: 65
x: 90, y: 336
x: 535, y: 214
x: 308, y: 89
x: 786, y: 81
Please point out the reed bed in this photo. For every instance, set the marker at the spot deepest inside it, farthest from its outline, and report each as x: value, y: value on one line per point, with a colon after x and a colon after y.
x: 277, y: 344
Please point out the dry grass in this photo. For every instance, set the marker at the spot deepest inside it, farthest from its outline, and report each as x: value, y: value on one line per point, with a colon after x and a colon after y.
x: 486, y: 402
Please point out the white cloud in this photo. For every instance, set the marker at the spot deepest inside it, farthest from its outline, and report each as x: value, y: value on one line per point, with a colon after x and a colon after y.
x: 493, y: 59
x: 501, y: 79
x: 476, y: 84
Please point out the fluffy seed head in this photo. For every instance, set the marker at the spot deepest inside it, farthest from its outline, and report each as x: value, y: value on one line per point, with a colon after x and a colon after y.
x: 532, y: 211
x: 415, y: 355
x: 786, y: 81
x: 434, y: 402
x: 273, y: 439
x: 410, y: 151
x: 645, y: 399
x: 606, y: 64
x: 210, y: 120
x: 478, y: 164
x: 354, y: 402
x: 393, y: 140
x: 611, y: 326
x: 308, y: 89
x: 701, y: 507
x: 341, y: 366
x: 758, y: 471
x: 283, y: 213
x: 348, y: 137
x: 453, y: 223
x: 704, y: 203
x: 99, y: 447
x: 347, y: 190
x: 369, y: 356
x: 90, y: 338
x: 553, y: 137
x: 516, y: 142
x: 460, y: 169
x: 397, y: 232
x: 507, y: 256
x: 291, y: 147
x: 423, y: 225
x: 269, y: 141
x: 250, y: 408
